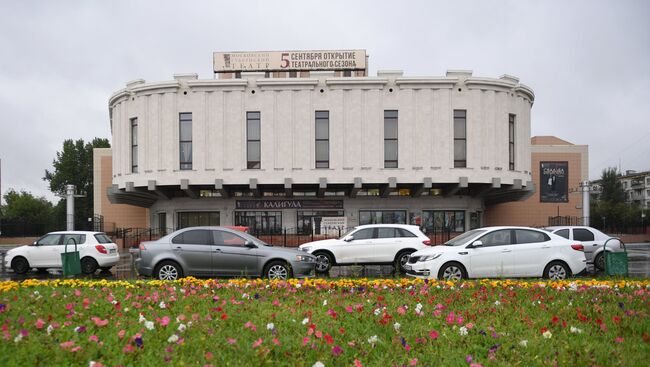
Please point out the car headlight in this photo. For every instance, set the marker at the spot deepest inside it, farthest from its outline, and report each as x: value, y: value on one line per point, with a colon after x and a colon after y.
x: 304, y: 258
x: 429, y: 257
x: 306, y: 248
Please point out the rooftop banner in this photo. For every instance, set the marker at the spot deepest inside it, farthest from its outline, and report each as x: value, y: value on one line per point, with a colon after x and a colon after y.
x: 227, y: 62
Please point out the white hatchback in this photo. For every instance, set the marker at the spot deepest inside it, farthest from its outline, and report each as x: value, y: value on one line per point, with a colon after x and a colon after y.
x: 593, y: 240
x: 96, y: 250
x: 375, y: 244
x: 500, y: 252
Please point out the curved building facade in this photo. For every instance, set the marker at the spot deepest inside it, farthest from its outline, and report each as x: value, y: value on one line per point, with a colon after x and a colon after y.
x: 275, y: 152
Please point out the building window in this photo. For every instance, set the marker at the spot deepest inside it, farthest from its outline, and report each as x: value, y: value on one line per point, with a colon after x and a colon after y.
x: 460, y: 138
x: 511, y: 141
x: 382, y: 216
x: 185, y: 138
x: 437, y: 221
x: 322, y: 139
x: 134, y: 145
x: 238, y: 75
x: 193, y: 219
x: 308, y: 220
x: 260, y: 222
x: 390, y: 139
x: 253, y: 137
x: 293, y: 74
x: 347, y: 73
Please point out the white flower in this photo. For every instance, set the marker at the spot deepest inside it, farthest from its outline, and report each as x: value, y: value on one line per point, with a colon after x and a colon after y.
x: 298, y: 285
x: 18, y: 338
x: 162, y: 304
x: 126, y: 309
x: 141, y: 319
x: 318, y: 364
x: 547, y: 334
x: 575, y: 330
x: 524, y: 343
x: 418, y: 308
x: 245, y: 296
x: 182, y: 327
x: 114, y: 302
x: 270, y: 326
x: 149, y: 325
x: 305, y: 321
x: 50, y: 329
x: 377, y: 311
x: 77, y: 329
x: 373, y: 339
x: 462, y: 330
x: 496, y: 303
x: 325, y: 303
x: 172, y: 339
x: 397, y: 325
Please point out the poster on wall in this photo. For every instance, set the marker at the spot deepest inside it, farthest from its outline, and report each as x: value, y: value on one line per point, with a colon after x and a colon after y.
x: 554, y: 182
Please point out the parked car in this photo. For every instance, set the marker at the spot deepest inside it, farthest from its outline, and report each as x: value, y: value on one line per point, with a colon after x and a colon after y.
x: 500, y: 252
x: 369, y: 244
x: 96, y: 250
x: 219, y: 251
x: 592, y: 239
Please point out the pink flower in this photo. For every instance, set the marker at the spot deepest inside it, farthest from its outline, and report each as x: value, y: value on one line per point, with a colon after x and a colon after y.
x: 93, y: 338
x: 128, y: 349
x: 336, y: 351
x: 433, y: 334
x: 619, y: 339
x: 67, y: 345
x: 75, y: 349
x: 305, y: 341
x: 349, y: 309
x: 469, y: 325
x: 232, y: 341
x: 276, y: 341
x: 249, y: 325
x: 165, y: 321
x: 357, y: 363
x: 451, y: 317
x: 99, y: 322
x: 39, y: 324
x: 413, y: 362
x: 258, y: 342
x: 459, y: 320
x: 121, y: 333
x: 401, y: 310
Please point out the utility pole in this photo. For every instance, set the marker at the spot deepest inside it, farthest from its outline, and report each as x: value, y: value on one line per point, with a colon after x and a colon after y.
x: 585, y: 202
x: 70, y: 195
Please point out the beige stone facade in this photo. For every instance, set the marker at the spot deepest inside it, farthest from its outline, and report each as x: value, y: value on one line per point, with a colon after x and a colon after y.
x: 533, y: 212
x: 115, y: 215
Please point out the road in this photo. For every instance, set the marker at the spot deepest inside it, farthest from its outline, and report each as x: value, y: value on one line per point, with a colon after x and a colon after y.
x: 638, y: 266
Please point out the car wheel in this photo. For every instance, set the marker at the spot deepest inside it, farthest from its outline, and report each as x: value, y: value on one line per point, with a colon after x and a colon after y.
x: 452, y: 271
x: 599, y: 261
x: 324, y: 262
x: 401, y: 259
x: 20, y: 265
x: 89, y: 265
x: 168, y: 270
x: 556, y: 270
x: 278, y: 270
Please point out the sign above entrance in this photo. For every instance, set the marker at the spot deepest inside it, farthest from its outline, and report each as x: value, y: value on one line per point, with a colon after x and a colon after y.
x: 228, y: 62
x: 288, y: 204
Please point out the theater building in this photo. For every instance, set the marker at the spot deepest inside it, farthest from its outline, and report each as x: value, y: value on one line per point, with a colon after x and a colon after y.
x: 303, y: 140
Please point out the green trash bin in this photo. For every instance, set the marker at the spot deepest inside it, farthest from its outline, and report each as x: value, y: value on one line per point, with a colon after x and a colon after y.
x: 70, y: 260
x: 615, y: 262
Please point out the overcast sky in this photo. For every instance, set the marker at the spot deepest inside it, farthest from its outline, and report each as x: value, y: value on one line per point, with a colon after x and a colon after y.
x: 587, y: 61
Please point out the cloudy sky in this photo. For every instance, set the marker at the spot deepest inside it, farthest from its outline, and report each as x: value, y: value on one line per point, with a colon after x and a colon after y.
x: 587, y: 61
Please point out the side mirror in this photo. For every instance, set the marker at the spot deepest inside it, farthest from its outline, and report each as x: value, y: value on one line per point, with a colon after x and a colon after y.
x: 250, y: 244
x: 348, y: 238
x: 476, y: 244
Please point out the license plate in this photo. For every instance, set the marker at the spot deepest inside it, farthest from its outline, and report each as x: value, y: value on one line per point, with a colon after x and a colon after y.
x: 112, y: 251
x: 408, y: 267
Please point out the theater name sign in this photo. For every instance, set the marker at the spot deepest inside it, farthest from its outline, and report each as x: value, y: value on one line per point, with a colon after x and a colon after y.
x: 228, y: 62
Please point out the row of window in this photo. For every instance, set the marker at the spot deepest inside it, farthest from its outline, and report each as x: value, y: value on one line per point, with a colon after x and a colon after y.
x: 322, y: 136
x: 270, y: 222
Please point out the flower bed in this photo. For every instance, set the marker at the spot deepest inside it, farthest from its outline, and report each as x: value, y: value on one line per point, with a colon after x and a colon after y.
x: 317, y: 322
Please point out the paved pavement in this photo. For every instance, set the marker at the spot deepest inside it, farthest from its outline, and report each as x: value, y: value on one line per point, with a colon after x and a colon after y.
x: 638, y: 266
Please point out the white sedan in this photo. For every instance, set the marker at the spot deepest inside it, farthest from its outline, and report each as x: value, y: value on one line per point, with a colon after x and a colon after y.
x: 500, y: 252
x: 593, y: 240
x: 370, y: 244
x: 96, y: 250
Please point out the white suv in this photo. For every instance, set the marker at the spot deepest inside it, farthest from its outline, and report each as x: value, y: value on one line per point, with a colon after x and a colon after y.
x: 96, y: 250
x: 375, y: 244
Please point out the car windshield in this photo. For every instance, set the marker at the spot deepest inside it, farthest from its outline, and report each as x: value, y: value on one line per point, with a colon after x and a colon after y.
x: 460, y: 240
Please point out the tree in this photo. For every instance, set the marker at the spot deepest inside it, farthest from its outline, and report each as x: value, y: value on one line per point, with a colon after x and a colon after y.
x: 73, y: 165
x: 612, y: 189
x: 24, y: 214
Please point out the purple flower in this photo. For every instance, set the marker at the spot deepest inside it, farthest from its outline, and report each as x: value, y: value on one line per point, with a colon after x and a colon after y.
x: 138, y: 342
x: 336, y: 351
x: 3, y: 307
x: 620, y: 304
x: 494, y: 348
x: 256, y: 296
x: 403, y: 341
x: 468, y: 359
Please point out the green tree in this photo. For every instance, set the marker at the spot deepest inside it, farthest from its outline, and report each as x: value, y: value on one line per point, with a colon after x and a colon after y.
x: 25, y: 214
x: 73, y: 165
x: 612, y: 189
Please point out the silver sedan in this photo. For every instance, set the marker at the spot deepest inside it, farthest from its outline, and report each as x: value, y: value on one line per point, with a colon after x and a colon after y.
x: 219, y: 251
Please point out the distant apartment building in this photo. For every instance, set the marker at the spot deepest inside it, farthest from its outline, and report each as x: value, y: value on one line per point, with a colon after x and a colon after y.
x: 637, y: 188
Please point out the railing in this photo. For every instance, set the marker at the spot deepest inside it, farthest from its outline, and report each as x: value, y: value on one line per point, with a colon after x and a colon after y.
x: 564, y: 221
